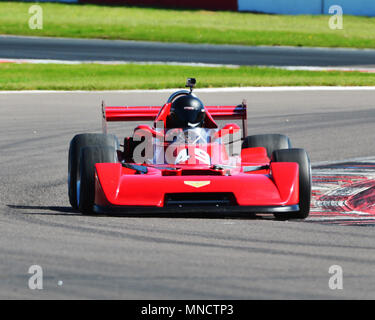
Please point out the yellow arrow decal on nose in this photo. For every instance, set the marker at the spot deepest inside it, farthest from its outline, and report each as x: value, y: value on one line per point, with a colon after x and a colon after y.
x: 197, y: 184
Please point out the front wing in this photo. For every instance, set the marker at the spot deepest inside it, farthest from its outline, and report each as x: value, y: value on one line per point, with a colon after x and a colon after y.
x: 121, y: 190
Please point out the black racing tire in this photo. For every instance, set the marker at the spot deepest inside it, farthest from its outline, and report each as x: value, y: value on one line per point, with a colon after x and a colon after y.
x: 271, y: 142
x: 88, y: 158
x: 301, y: 157
x: 76, y: 144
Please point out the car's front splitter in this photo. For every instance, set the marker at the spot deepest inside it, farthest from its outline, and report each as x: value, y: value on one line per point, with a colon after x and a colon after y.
x: 193, y: 209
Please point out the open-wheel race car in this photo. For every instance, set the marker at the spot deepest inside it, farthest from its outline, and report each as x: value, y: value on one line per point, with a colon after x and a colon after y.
x: 185, y: 163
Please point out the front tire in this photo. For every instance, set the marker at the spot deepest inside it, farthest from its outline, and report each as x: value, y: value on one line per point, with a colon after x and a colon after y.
x: 88, y: 158
x: 76, y: 144
x: 301, y: 157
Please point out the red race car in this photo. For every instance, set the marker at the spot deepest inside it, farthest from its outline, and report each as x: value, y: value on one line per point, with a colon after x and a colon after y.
x: 185, y: 163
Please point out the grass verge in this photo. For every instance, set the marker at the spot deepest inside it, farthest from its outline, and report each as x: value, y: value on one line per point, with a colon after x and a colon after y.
x: 191, y: 26
x: 132, y: 76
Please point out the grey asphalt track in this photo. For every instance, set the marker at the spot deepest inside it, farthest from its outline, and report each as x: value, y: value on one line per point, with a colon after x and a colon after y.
x: 115, y: 50
x: 172, y: 257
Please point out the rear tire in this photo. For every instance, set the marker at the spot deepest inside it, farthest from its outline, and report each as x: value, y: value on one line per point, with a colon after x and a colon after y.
x: 76, y: 144
x: 271, y: 142
x: 300, y: 156
x: 88, y: 158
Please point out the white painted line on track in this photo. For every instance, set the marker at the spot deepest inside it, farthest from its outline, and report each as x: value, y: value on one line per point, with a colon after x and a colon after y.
x: 189, y: 64
x: 310, y: 68
x: 114, y: 62
x: 208, y: 90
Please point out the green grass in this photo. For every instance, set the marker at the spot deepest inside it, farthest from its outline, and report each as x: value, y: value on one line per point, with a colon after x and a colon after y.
x: 133, y: 76
x: 191, y: 26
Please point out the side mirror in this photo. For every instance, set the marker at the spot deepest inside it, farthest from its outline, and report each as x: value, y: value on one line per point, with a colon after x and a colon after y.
x: 230, y: 128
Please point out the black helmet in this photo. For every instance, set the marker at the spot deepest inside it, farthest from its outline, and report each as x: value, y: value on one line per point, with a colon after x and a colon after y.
x: 186, y: 112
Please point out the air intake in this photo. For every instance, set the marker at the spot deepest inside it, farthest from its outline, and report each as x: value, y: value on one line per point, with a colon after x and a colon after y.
x: 180, y: 200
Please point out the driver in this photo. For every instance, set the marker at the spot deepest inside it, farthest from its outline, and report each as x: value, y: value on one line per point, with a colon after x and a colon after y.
x: 188, y: 114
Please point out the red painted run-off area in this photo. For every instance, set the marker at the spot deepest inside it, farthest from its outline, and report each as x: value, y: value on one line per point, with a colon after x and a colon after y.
x: 344, y: 194
x: 191, y: 4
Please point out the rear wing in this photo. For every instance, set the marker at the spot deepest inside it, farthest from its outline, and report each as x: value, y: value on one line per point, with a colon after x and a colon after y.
x: 149, y: 113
